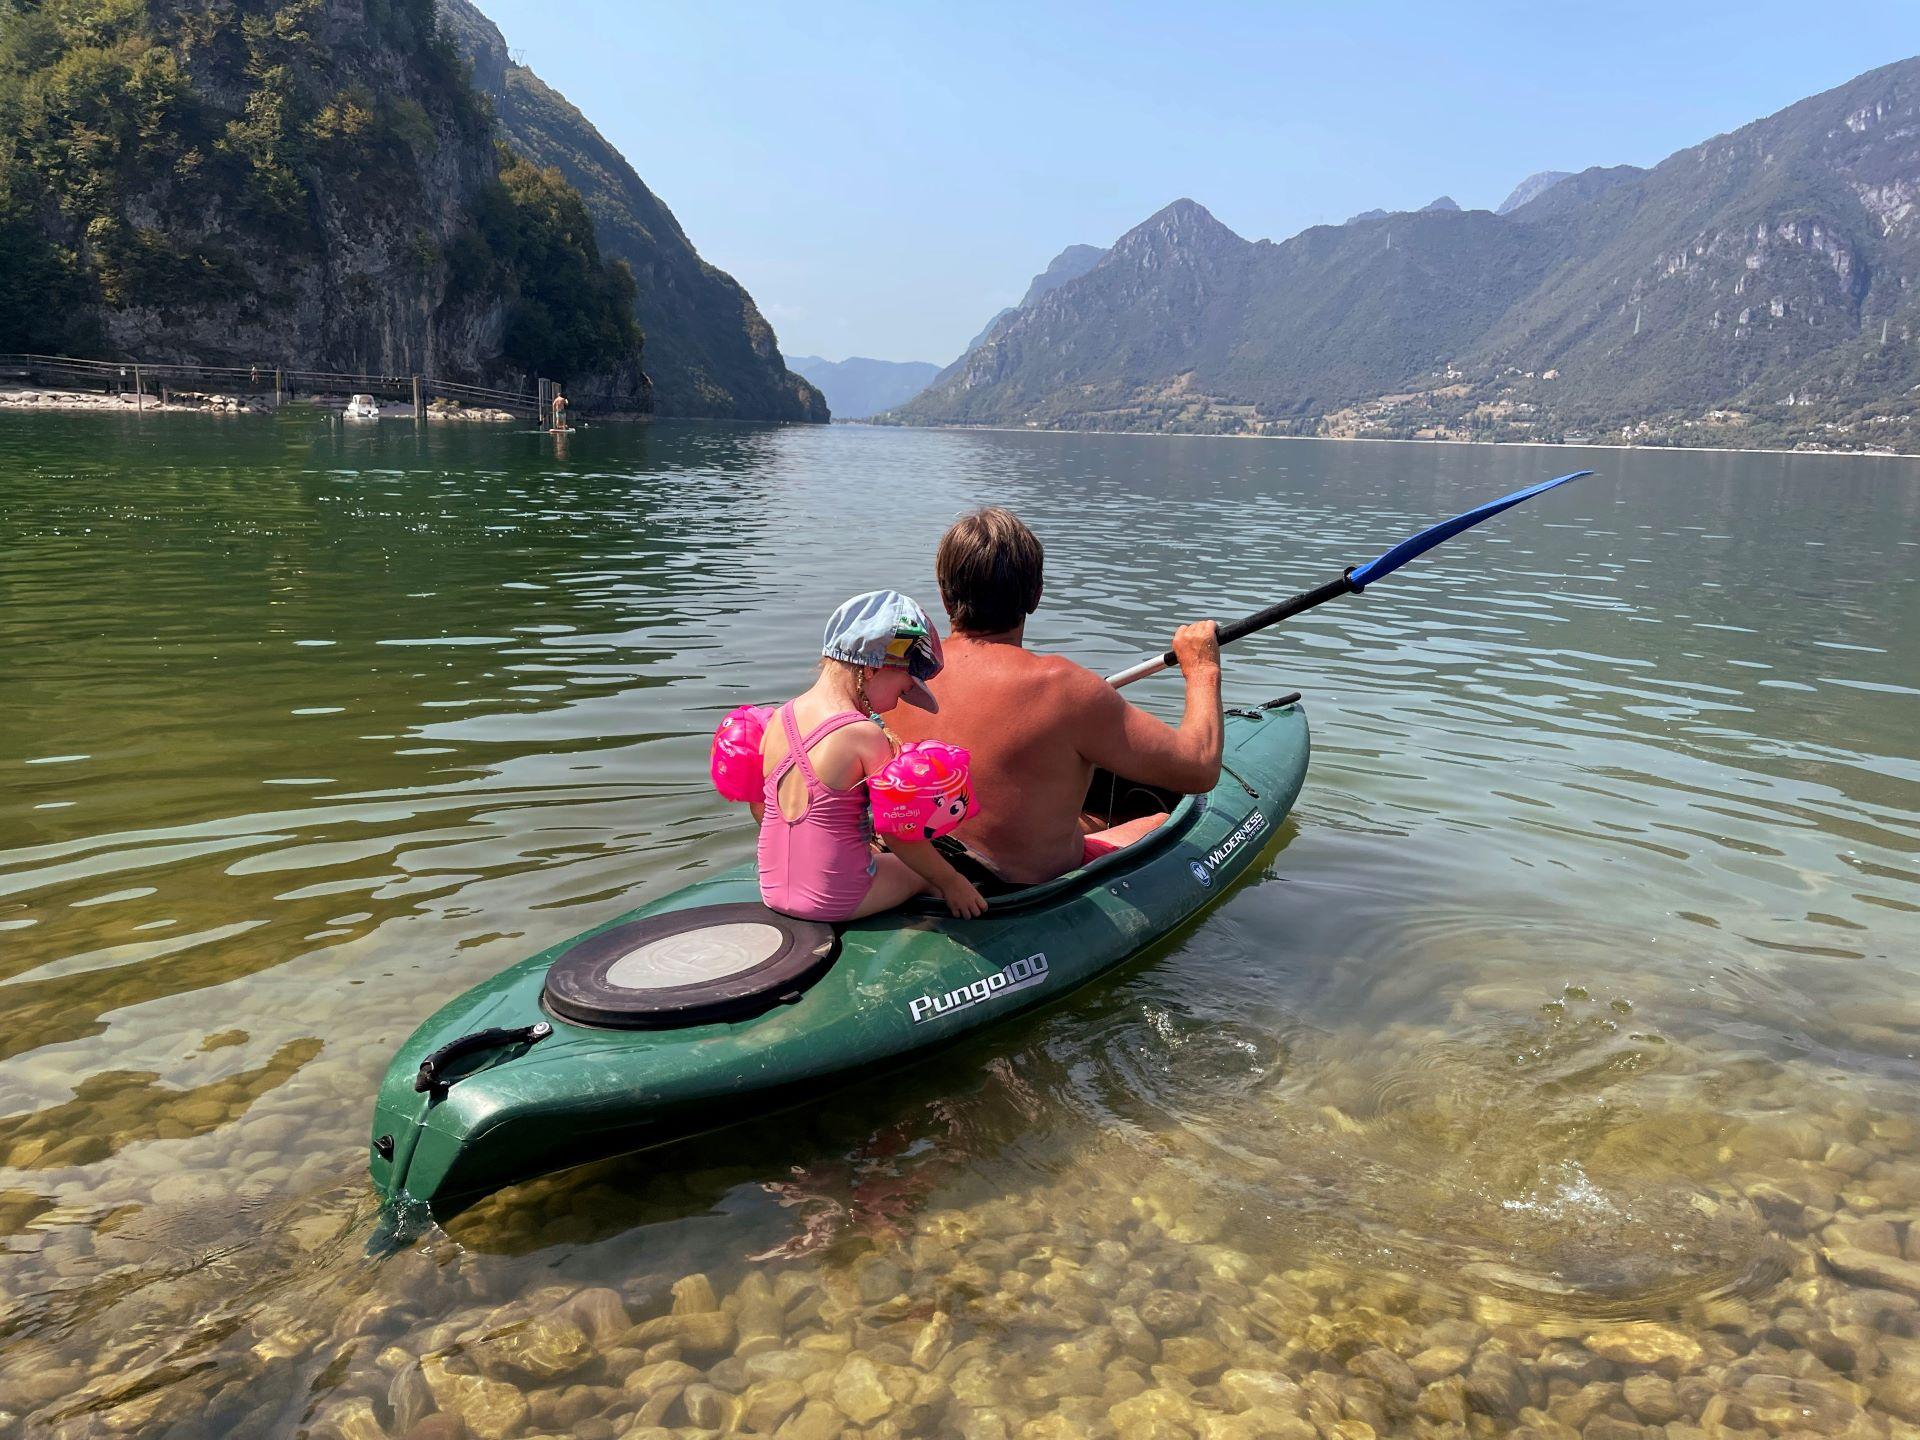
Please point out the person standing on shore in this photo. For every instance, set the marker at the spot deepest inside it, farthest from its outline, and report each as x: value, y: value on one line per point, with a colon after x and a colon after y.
x: 559, y: 410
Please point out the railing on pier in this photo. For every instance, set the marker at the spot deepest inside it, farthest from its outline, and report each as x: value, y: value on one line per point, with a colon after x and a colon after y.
x: 140, y: 379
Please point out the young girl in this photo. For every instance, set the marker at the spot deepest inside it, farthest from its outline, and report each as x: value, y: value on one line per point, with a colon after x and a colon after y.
x: 817, y: 857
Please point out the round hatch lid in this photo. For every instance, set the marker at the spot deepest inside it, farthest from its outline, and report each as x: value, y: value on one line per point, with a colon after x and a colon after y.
x: 714, y: 962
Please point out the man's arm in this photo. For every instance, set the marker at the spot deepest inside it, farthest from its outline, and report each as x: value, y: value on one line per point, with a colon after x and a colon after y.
x: 1131, y: 743
x: 919, y: 856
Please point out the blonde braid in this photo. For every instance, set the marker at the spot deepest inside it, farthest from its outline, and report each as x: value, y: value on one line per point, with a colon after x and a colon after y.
x: 859, y: 673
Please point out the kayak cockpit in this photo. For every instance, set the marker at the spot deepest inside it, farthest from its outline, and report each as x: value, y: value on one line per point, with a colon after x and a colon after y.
x: 1112, y: 800
x: 687, y: 967
x: 1131, y: 801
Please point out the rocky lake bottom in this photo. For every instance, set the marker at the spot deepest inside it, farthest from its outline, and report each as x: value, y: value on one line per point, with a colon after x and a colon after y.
x: 1139, y: 1294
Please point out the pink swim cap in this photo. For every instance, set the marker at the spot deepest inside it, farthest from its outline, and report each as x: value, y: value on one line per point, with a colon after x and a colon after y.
x: 924, y: 792
x: 737, y: 769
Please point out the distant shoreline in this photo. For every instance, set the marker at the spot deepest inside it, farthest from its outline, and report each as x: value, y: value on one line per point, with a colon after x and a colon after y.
x: 15, y: 399
x: 1396, y: 440
x: 45, y: 397
x: 20, y: 399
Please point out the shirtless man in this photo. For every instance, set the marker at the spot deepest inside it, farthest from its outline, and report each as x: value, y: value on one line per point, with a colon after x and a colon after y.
x: 1038, y: 724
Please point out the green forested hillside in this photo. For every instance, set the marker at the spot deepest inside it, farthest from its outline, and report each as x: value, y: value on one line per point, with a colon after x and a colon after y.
x: 534, y: 239
x: 296, y: 181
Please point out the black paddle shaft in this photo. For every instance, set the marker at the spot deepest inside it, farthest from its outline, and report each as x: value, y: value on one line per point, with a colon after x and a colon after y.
x: 1356, y: 579
x: 1284, y: 610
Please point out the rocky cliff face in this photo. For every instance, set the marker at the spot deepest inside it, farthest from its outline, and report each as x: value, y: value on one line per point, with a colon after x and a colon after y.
x: 1070, y: 264
x: 709, y: 350
x: 302, y: 183
x: 1758, y: 288
x: 1138, y: 311
x: 1531, y: 188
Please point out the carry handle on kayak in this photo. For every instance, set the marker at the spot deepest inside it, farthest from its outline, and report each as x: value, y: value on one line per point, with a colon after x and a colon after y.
x: 1354, y: 578
x: 429, y: 1081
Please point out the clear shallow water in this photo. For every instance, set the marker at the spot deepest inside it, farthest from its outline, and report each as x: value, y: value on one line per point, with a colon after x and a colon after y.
x: 1578, y: 995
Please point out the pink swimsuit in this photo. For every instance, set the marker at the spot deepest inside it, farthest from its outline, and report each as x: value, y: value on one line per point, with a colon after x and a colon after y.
x: 820, y: 866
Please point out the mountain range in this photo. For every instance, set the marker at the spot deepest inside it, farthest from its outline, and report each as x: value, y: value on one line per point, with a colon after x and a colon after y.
x: 858, y: 387
x: 1759, y: 288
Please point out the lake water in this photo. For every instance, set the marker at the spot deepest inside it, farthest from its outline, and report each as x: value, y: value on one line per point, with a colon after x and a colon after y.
x: 1557, y: 1070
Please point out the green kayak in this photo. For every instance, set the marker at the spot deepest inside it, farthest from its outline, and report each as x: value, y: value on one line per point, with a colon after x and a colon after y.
x: 705, y: 1008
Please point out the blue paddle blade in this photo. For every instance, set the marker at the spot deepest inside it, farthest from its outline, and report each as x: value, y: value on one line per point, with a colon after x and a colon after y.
x: 1416, y: 545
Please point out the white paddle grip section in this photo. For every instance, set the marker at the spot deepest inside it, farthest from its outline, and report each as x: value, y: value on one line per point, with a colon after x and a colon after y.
x: 1138, y: 672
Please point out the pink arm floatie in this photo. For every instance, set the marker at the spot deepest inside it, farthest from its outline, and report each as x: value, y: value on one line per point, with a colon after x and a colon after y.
x: 923, y: 792
x: 738, y: 771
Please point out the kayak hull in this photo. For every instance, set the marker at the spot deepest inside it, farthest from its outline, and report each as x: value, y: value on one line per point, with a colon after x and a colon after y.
x: 901, y: 985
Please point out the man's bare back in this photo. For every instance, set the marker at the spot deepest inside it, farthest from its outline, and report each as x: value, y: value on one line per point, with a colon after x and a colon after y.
x: 1037, y: 725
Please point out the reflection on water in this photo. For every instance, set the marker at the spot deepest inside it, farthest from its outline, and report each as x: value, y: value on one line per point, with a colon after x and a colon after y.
x: 1558, y: 1070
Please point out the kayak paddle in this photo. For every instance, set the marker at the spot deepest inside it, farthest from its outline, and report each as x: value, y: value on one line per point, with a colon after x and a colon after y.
x: 1356, y: 578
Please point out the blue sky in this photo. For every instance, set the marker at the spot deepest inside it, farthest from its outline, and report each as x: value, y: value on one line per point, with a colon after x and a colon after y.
x: 884, y: 177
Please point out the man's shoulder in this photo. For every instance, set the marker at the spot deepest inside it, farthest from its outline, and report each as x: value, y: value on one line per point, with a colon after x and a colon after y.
x: 1068, y: 681
x: 1039, y: 682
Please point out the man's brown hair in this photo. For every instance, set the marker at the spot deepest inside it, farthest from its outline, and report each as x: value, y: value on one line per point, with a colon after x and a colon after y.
x: 989, y: 569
